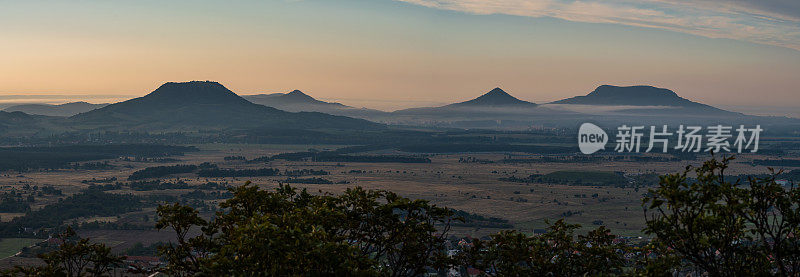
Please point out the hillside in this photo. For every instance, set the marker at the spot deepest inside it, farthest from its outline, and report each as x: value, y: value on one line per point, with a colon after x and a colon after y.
x: 496, y: 101
x: 204, y: 104
x: 493, y: 109
x: 67, y: 109
x: 633, y: 96
x: 494, y: 98
x: 297, y: 101
x: 295, y: 97
x: 19, y: 124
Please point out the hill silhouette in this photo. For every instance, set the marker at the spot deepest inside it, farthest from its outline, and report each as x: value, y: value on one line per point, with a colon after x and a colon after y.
x: 608, y: 95
x: 295, y: 98
x: 299, y: 96
x: 496, y: 101
x: 630, y: 96
x: 67, y: 109
x: 493, y: 109
x: 19, y: 124
x: 205, y: 104
x: 494, y: 98
x: 297, y: 101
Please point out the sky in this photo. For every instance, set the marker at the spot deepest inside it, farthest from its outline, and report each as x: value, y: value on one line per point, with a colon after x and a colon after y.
x: 391, y: 54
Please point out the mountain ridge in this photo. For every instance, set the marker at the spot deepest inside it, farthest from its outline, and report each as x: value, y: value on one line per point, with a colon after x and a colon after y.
x: 640, y: 97
x: 298, y: 101
x: 494, y: 98
x: 205, y: 104
x: 63, y: 110
x: 295, y: 97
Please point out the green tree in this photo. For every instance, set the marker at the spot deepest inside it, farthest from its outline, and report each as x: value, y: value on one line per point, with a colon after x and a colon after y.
x: 286, y: 232
x: 75, y: 257
x: 558, y: 252
x: 772, y: 213
x: 716, y: 225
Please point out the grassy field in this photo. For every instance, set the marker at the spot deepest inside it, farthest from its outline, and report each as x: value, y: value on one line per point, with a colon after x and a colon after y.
x: 10, y: 246
x: 473, y: 187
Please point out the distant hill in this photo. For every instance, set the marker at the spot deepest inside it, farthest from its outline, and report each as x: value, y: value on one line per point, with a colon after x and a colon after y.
x: 495, y: 101
x: 642, y: 97
x: 14, y: 118
x: 291, y: 101
x: 494, y: 98
x: 493, y: 109
x: 21, y: 124
x: 297, y: 101
x: 205, y: 104
x: 631, y: 96
x: 68, y: 109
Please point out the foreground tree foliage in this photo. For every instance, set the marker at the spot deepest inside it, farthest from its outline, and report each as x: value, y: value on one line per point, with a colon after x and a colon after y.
x: 75, y: 257
x: 723, y: 228
x: 286, y: 232
x: 555, y: 253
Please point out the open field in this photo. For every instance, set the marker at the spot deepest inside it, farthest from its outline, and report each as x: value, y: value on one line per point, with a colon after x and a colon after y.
x: 10, y: 246
x: 465, y: 181
x: 496, y: 186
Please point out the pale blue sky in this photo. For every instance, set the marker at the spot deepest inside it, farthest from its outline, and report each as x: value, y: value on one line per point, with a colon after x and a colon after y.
x: 393, y: 54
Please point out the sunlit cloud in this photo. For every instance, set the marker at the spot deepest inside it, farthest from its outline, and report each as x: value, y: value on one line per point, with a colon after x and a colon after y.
x: 765, y: 22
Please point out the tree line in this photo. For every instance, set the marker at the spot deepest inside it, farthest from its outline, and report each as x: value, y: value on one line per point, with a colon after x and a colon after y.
x: 58, y: 157
x: 83, y: 204
x: 161, y: 171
